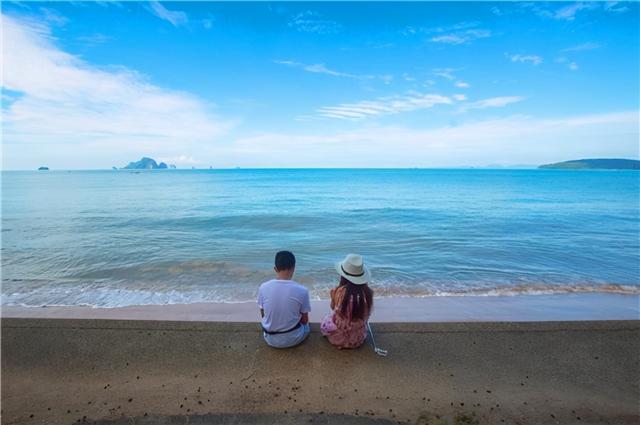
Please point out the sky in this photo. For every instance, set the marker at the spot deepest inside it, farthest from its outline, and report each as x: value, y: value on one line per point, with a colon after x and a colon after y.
x: 90, y: 85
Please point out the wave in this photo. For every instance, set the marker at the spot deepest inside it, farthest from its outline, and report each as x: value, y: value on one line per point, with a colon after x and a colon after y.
x: 515, y: 290
x: 107, y: 297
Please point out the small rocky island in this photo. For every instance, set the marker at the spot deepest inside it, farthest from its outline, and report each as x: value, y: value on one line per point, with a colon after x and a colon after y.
x: 595, y: 164
x: 147, y: 164
x: 43, y: 168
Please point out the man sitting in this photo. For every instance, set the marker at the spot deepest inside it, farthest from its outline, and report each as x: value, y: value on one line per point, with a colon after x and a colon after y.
x: 284, y: 305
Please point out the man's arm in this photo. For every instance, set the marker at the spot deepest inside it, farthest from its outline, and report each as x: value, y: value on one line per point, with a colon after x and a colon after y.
x: 306, y: 308
x: 261, y: 301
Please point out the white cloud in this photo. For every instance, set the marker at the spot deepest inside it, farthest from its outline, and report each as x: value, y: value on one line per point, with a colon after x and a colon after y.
x: 462, y: 85
x: 94, y: 39
x: 612, y: 6
x: 461, y: 37
x: 512, y: 139
x: 568, y: 12
x: 175, y: 17
x: 534, y: 59
x: 180, y: 160
x: 412, y: 30
x: 459, y: 97
x: 383, y: 106
x: 446, y: 73
x: 573, y: 66
x: 493, y: 102
x: 320, y: 68
x: 53, y: 17
x: 313, y: 22
x: 582, y: 47
x: 65, y: 105
x: 207, y: 23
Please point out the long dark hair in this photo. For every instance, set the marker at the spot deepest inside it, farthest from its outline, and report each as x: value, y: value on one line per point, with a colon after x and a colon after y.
x: 360, y: 295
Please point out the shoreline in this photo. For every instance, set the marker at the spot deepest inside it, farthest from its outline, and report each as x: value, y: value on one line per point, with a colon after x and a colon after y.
x: 521, y: 308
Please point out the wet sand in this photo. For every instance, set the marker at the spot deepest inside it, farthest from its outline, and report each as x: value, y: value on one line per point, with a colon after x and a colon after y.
x: 563, y: 307
x: 57, y: 371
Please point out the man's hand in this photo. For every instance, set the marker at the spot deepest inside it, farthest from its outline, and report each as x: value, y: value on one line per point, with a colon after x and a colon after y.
x: 305, y: 318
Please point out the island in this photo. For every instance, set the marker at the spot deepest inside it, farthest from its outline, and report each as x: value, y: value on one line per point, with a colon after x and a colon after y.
x: 43, y: 169
x: 146, y: 163
x: 595, y: 164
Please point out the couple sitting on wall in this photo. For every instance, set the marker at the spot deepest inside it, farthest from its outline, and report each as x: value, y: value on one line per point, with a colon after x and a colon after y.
x: 284, y: 305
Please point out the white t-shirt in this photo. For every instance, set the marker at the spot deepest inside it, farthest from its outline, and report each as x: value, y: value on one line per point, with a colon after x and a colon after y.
x: 283, y: 302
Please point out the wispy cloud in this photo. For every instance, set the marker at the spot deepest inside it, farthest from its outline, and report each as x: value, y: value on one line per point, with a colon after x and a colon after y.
x: 383, y: 106
x: 615, y: 7
x: 180, y: 160
x: 568, y: 13
x: 462, y: 85
x: 63, y: 101
x: 413, y: 30
x: 93, y: 39
x: 310, y: 21
x: 320, y: 68
x: 514, y: 139
x: 175, y: 17
x: 53, y: 17
x: 493, y: 102
x: 534, y: 59
x: 571, y: 65
x: 446, y: 73
x: 461, y: 37
x: 582, y: 47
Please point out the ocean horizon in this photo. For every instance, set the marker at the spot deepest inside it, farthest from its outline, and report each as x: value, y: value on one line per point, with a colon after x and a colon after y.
x: 108, y: 238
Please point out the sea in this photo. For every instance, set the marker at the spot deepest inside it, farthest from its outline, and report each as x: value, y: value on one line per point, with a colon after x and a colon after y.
x: 116, y: 238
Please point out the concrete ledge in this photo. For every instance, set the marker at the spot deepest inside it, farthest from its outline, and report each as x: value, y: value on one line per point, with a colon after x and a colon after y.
x: 61, y: 371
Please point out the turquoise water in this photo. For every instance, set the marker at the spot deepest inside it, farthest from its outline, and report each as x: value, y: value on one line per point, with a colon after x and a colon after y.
x: 115, y: 238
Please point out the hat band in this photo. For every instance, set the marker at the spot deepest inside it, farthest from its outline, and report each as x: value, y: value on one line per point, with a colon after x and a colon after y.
x: 351, y: 274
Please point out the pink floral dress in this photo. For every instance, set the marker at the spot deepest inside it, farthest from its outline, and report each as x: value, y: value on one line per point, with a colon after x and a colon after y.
x: 341, y: 330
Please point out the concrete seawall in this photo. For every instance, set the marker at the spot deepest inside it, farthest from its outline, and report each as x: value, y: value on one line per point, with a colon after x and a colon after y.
x: 57, y: 371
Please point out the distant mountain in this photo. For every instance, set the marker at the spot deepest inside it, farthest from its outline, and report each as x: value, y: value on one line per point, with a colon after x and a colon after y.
x: 596, y: 164
x: 144, y: 164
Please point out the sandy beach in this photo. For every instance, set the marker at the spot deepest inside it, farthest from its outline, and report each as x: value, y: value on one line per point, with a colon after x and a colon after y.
x: 63, y: 371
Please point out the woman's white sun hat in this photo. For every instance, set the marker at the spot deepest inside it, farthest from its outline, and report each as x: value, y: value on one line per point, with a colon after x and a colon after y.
x: 353, y: 269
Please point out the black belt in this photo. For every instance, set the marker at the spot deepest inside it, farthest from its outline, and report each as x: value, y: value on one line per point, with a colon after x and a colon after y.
x: 282, y: 332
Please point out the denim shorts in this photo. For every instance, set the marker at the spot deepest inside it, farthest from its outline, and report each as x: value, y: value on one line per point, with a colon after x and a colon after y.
x: 288, y: 339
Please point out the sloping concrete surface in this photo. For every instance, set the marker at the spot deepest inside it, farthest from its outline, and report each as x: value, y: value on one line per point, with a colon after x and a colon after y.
x: 58, y: 371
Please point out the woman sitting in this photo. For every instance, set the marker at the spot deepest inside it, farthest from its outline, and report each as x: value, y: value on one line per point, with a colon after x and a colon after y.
x: 351, y: 302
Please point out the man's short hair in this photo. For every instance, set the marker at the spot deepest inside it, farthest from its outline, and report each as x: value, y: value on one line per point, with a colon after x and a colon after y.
x: 285, y: 260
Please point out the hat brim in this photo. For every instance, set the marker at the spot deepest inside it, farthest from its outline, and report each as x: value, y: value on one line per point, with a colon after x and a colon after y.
x: 356, y: 280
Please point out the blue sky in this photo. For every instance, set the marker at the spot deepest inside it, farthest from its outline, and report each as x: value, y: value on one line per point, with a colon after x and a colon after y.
x: 91, y: 85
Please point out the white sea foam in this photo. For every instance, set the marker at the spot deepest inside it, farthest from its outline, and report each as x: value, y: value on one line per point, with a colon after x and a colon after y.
x: 111, y: 298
